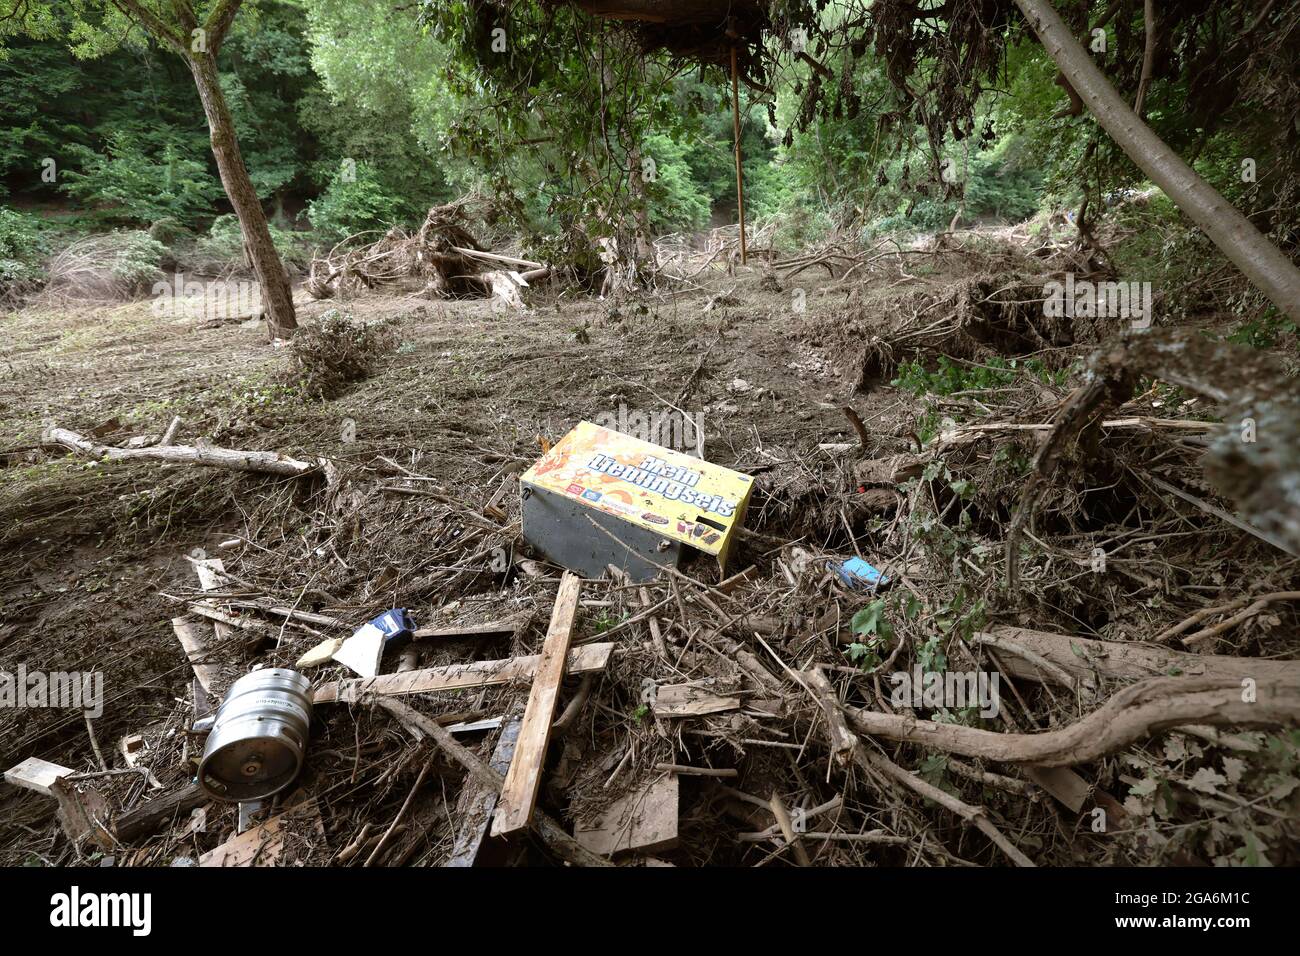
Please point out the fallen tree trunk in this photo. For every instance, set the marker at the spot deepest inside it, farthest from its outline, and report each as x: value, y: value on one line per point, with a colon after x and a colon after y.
x: 1259, y: 260
x: 263, y: 462
x: 1084, y: 659
x: 1131, y: 715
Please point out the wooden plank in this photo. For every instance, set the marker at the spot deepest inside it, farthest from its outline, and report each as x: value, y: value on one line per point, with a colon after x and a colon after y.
x: 685, y: 700
x: 490, y: 629
x: 196, y: 652
x: 1063, y: 784
x: 36, y: 774
x: 152, y: 816
x: 518, y: 796
x: 211, y: 573
x: 265, y: 843
x: 322, y: 653
x: 643, y: 820
x: 583, y: 660
x: 479, y: 801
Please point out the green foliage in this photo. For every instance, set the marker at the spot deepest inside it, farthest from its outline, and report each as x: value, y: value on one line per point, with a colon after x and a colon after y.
x: 221, y: 248
x: 136, y: 258
x: 875, y: 634
x: 1264, y: 332
x: 130, y: 185
x: 23, y: 245
x: 950, y: 376
x: 676, y: 201
x: 355, y: 201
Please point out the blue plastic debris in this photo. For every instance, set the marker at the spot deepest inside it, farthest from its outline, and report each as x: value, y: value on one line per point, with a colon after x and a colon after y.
x: 857, y: 573
x: 394, y: 623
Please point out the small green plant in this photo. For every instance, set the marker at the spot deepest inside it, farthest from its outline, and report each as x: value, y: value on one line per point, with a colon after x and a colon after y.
x: 951, y: 377
x: 1263, y: 333
x: 354, y: 201
x: 875, y: 631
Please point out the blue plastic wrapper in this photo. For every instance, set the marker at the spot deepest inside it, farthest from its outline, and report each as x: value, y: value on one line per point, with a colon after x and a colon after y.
x: 856, y: 573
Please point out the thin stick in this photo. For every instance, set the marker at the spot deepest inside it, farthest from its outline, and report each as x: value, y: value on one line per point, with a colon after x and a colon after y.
x: 392, y: 827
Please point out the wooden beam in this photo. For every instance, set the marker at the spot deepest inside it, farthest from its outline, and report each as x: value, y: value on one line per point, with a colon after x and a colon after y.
x: 490, y: 629
x: 36, y: 774
x: 150, y: 817
x: 479, y: 801
x: 519, y: 794
x: 196, y: 652
x: 584, y: 660
x: 546, y: 828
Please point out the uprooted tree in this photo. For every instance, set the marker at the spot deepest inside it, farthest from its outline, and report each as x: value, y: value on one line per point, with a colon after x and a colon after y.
x: 195, y: 33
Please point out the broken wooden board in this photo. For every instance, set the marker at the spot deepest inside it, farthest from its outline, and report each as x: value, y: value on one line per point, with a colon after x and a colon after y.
x: 1063, y: 784
x: 583, y: 660
x: 644, y: 820
x: 687, y: 700
x: 265, y: 844
x: 519, y: 794
x: 36, y: 774
x: 490, y: 629
x: 196, y: 652
x: 212, y: 574
x: 479, y: 801
x: 83, y: 813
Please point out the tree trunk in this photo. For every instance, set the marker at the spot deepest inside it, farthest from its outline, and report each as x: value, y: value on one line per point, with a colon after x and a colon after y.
x: 277, y: 296
x: 1258, y: 259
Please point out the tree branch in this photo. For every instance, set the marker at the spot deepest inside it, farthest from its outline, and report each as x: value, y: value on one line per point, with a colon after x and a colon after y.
x: 218, y: 23
x: 1131, y: 715
x: 152, y: 23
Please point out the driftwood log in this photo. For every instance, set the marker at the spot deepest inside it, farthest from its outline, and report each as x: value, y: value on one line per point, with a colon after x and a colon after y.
x: 1136, y: 712
x: 1070, y: 659
x: 262, y: 462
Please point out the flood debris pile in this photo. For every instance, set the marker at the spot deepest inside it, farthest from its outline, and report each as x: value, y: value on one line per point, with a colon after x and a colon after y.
x: 996, y: 606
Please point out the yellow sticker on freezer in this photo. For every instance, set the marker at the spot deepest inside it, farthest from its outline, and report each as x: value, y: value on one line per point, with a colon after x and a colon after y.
x: 683, y: 498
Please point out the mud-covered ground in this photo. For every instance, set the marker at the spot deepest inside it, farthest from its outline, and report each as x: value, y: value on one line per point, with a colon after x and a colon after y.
x: 93, y: 556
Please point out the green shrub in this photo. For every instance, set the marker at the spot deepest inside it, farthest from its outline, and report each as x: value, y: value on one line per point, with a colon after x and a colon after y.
x: 23, y: 247
x: 352, y: 204
x: 109, y: 266
x: 221, y: 249
x: 135, y: 186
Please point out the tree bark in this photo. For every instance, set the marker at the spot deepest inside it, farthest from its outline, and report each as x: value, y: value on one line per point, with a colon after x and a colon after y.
x: 1258, y: 259
x: 277, y: 296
